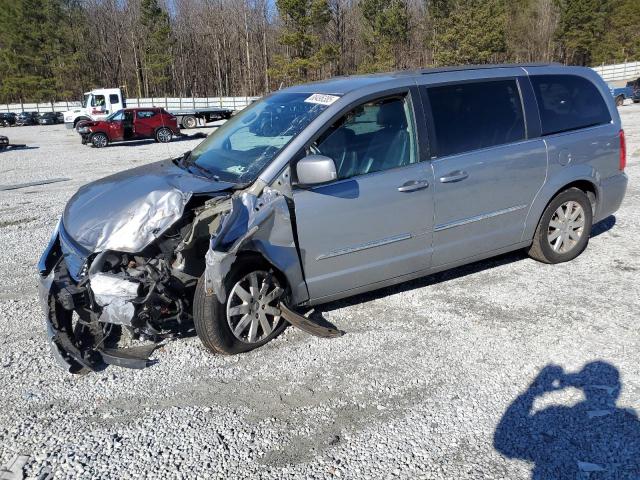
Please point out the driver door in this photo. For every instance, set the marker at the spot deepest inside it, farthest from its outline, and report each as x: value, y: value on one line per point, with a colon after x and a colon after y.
x: 374, y: 223
x: 115, y: 128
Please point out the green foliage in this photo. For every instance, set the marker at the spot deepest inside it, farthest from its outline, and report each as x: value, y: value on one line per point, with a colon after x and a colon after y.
x: 387, y: 30
x: 621, y: 39
x: 156, y: 41
x: 473, y: 31
x: 304, y: 21
x: 34, y: 49
x: 582, y: 27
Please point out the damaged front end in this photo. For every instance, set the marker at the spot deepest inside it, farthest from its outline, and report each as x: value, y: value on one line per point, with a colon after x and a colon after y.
x: 142, y: 272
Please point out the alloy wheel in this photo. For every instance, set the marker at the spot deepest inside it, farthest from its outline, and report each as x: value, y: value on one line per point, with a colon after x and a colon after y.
x: 566, y: 227
x: 164, y: 135
x: 252, y: 308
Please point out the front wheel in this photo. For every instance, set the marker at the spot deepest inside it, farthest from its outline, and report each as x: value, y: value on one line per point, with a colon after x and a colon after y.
x: 619, y: 101
x: 249, y: 317
x: 564, y: 228
x: 99, y: 140
x: 164, y: 135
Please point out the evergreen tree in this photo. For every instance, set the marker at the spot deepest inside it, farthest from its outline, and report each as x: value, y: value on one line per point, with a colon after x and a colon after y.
x: 34, y: 49
x: 388, y: 29
x: 621, y: 39
x: 156, y: 41
x: 582, y: 27
x: 304, y: 21
x: 474, y: 31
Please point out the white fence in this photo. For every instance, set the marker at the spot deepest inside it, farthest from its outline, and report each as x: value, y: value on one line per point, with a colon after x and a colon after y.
x: 619, y: 71
x: 173, y: 104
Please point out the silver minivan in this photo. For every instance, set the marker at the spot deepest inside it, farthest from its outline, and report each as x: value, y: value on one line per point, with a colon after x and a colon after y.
x: 326, y: 190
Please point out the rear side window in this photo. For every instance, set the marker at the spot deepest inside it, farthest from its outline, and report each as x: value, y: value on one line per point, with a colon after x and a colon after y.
x: 114, y: 98
x: 568, y: 102
x: 145, y: 113
x: 470, y: 116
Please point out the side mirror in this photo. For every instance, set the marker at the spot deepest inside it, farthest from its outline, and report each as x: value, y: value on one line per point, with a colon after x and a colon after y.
x: 316, y: 169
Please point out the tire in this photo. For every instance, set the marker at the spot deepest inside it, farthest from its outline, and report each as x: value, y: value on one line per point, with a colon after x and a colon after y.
x: 619, y: 101
x: 99, y: 140
x: 553, y: 242
x: 163, y: 135
x: 189, y: 121
x: 210, y: 316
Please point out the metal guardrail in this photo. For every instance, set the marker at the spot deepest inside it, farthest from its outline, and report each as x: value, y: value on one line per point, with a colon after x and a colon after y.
x: 170, y: 103
x: 619, y: 71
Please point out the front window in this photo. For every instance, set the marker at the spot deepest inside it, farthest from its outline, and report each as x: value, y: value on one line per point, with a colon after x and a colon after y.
x: 85, y: 100
x: 116, y: 116
x: 241, y: 148
x: 376, y: 136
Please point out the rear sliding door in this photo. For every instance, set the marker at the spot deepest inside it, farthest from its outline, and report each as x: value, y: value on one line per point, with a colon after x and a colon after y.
x: 487, y: 168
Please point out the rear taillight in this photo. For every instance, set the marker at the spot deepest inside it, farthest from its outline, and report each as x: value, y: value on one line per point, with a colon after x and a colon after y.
x: 623, y: 150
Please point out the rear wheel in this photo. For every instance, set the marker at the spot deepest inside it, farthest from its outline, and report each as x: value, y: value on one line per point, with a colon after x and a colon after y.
x: 164, y: 135
x: 249, y: 318
x: 99, y: 140
x: 564, y: 228
x: 189, y: 121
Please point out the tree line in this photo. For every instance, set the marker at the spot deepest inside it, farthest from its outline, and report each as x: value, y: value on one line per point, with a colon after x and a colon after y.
x: 56, y: 49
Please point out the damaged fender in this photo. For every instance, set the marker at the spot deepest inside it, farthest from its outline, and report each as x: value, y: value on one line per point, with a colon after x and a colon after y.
x: 260, y: 224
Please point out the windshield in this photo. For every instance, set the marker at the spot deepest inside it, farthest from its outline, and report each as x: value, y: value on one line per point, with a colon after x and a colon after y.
x: 239, y: 150
x: 85, y: 99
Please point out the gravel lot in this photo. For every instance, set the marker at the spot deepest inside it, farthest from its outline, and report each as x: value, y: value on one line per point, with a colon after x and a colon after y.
x: 415, y: 389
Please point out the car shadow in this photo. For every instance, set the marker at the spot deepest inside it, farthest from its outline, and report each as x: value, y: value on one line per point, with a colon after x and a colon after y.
x: 591, y: 439
x: 603, y: 226
x: 452, y: 274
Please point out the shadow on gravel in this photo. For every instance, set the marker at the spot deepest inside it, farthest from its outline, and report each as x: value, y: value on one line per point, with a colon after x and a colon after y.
x: 593, y: 439
x: 603, y: 226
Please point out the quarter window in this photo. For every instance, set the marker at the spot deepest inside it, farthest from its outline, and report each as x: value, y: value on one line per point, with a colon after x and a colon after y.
x: 114, y: 98
x: 568, y: 102
x: 375, y: 136
x: 470, y: 116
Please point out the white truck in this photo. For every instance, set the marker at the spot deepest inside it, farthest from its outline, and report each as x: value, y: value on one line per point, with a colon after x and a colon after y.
x: 101, y: 102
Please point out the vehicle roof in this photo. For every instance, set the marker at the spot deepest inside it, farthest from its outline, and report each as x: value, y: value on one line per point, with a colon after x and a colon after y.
x: 345, y: 84
x: 133, y: 109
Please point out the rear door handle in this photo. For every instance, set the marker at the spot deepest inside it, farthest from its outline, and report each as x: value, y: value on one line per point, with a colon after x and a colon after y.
x: 413, y: 185
x: 456, y: 176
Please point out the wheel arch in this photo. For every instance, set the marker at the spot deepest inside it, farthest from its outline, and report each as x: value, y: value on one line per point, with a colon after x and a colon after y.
x: 583, y: 177
x: 80, y: 119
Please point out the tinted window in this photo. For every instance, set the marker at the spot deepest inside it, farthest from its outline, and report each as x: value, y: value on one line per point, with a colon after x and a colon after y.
x: 469, y: 116
x: 567, y: 102
x: 145, y: 113
x: 113, y: 98
x: 376, y: 136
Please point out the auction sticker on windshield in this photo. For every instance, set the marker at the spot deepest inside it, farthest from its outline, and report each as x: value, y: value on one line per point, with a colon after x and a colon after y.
x: 321, y: 99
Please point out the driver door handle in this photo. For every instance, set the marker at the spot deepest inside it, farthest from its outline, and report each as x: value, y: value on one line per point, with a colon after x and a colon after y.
x: 454, y: 176
x: 413, y: 185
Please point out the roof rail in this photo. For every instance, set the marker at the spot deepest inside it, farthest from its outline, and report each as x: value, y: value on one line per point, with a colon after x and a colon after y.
x: 456, y: 68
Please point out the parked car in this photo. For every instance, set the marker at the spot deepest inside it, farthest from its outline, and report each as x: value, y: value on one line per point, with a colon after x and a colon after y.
x: 130, y: 124
x: 7, y: 119
x: 620, y: 94
x: 48, y: 118
x: 27, y: 118
x: 60, y: 117
x: 326, y: 190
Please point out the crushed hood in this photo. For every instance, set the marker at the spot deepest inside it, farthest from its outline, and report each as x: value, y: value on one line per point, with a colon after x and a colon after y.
x: 128, y: 210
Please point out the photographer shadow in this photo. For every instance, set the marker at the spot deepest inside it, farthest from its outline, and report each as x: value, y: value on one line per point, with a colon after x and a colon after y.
x: 593, y: 439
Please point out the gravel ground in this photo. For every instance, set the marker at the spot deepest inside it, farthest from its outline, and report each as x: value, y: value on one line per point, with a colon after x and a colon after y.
x: 432, y: 380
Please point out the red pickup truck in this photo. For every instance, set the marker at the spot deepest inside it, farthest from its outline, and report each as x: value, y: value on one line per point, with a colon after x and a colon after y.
x: 130, y: 124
